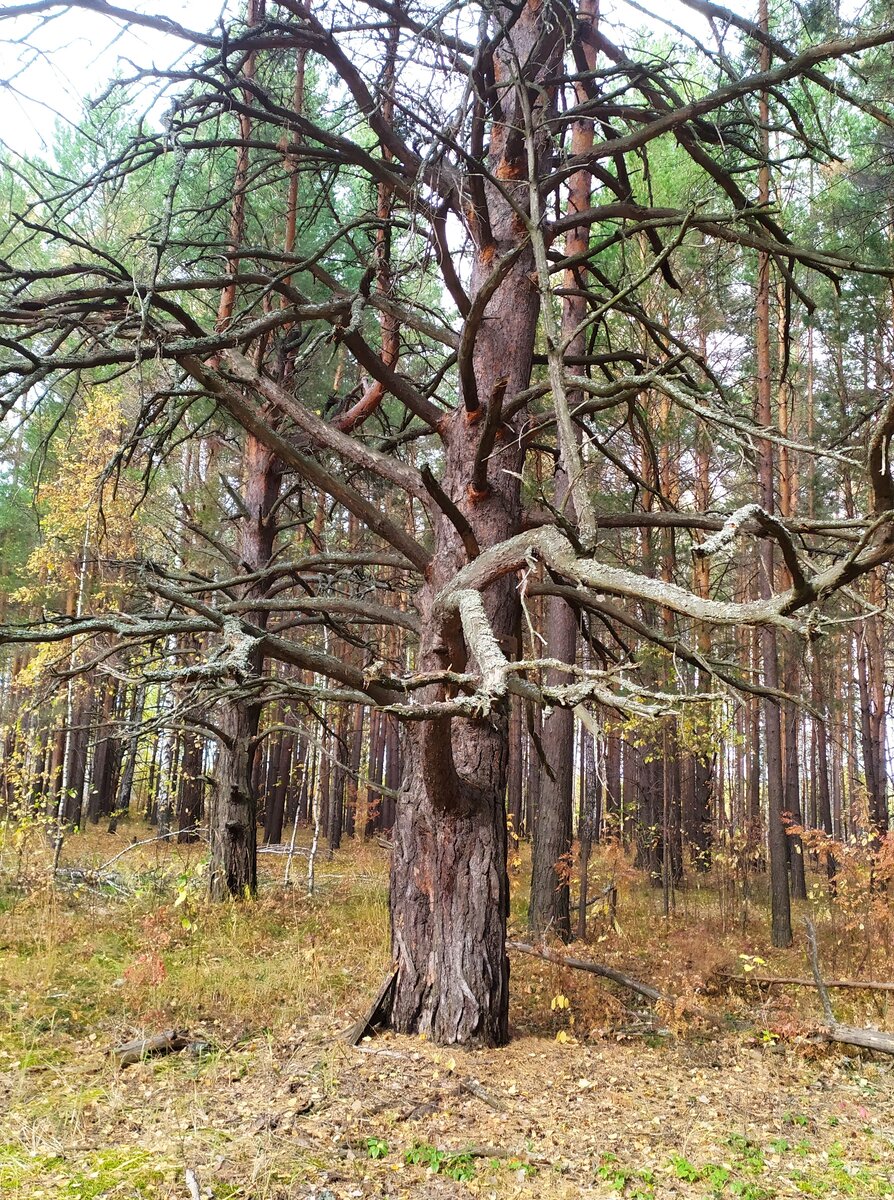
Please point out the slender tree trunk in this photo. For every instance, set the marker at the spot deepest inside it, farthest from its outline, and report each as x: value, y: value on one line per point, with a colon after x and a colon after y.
x: 233, y: 816
x: 613, y: 815
x: 779, y: 885
x: 129, y: 764
x: 276, y: 803
x: 336, y: 814
x: 190, y: 789
x: 234, y: 812
x: 355, y: 762
x: 392, y: 773
x: 514, y: 789
x: 550, y: 907
x: 533, y: 772
x: 375, y: 767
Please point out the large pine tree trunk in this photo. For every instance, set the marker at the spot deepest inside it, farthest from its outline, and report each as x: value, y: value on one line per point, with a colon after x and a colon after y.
x: 449, y: 887
x: 449, y: 891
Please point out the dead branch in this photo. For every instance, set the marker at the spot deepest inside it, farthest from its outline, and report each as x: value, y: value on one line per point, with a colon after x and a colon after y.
x: 813, y: 954
x: 866, y: 1039
x: 378, y: 1012
x: 474, y: 1088
x: 171, y: 1041
x: 595, y: 968
x: 860, y: 985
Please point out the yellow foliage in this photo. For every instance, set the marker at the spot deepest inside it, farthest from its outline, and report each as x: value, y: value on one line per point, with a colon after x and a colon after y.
x: 84, y: 519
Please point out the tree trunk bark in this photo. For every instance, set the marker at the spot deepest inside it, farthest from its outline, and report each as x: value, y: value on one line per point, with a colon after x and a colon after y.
x: 450, y: 896
x: 776, y: 834
x: 233, y: 818
x: 234, y: 857
x: 449, y: 883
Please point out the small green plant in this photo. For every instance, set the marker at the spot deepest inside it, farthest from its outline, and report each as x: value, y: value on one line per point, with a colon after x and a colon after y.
x: 716, y: 1176
x: 611, y: 1171
x: 514, y: 1164
x: 634, y: 1185
x: 749, y: 1191
x: 684, y: 1169
x: 420, y: 1154
x: 750, y: 1154
x: 459, y: 1166
x: 376, y: 1147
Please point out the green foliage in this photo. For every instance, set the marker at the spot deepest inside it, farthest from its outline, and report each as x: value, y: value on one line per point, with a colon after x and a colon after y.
x: 748, y: 1152
x: 684, y: 1169
x: 459, y: 1166
x: 631, y: 1183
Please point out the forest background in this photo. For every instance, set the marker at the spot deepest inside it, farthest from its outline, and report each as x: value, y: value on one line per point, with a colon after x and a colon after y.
x: 449, y: 448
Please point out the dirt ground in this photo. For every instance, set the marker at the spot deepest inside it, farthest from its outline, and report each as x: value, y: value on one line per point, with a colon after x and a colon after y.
x: 596, y: 1096
x: 309, y: 1116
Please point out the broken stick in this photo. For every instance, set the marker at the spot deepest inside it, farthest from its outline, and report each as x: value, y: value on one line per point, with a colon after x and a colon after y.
x: 847, y: 1035
x: 474, y: 1088
x: 859, y: 985
x: 377, y: 1014
x: 169, y: 1042
x: 595, y: 968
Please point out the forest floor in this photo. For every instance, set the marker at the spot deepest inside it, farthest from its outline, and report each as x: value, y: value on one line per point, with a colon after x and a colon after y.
x: 594, y: 1097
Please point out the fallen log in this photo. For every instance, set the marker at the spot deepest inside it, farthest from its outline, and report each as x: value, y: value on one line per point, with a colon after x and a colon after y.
x: 586, y: 964
x: 847, y: 1035
x: 865, y: 985
x: 633, y: 985
x: 169, y: 1042
x: 866, y: 1039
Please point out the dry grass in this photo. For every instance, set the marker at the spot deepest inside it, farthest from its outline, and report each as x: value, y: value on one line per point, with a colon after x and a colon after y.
x: 276, y: 1106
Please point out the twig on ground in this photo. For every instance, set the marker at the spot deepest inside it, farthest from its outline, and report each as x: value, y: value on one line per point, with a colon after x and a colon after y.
x: 847, y: 1035
x: 171, y: 1041
x: 192, y: 1183
x: 595, y: 968
x: 474, y: 1088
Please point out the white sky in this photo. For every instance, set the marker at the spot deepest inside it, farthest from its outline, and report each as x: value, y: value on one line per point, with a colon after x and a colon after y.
x: 80, y: 51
